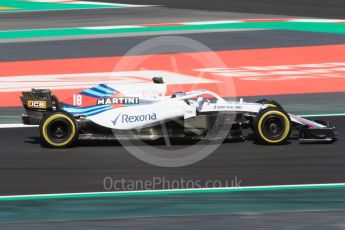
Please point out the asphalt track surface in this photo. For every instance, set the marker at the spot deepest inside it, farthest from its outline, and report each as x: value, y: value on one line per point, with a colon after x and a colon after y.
x: 27, y: 168
x: 216, y: 41
x: 305, y: 8
x: 110, y: 17
x: 285, y: 221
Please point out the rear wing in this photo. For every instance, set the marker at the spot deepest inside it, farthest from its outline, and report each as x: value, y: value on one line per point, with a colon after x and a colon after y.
x: 36, y: 103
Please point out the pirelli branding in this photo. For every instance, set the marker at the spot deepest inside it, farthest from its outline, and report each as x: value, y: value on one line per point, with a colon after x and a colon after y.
x: 118, y: 100
x: 37, y: 104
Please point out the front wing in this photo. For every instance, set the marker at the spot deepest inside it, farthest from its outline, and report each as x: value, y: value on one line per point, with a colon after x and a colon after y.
x: 313, y: 131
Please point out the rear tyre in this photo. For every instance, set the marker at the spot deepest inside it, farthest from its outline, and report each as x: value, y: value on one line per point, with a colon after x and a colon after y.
x: 272, y: 126
x: 58, y: 129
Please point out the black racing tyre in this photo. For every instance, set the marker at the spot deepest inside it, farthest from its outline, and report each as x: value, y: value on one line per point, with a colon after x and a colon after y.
x: 270, y: 103
x: 58, y: 129
x: 272, y: 126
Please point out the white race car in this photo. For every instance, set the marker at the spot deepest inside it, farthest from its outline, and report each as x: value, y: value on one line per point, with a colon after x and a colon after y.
x: 144, y: 111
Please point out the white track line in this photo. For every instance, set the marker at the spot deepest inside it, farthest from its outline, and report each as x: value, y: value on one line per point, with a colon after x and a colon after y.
x: 7, y: 126
x: 316, y: 20
x: 214, y: 23
x: 88, y: 3
x: 323, y: 115
x: 106, y: 4
x: 111, y: 27
x: 246, y: 188
x: 179, y: 23
x: 211, y: 22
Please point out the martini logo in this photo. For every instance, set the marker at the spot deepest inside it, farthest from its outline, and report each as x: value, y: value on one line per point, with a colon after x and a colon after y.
x: 118, y: 100
x: 37, y: 104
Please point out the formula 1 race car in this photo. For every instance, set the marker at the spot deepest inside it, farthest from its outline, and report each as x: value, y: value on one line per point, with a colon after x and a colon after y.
x: 121, y: 110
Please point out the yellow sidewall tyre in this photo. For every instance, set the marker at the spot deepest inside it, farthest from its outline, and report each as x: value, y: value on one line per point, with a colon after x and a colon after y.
x: 272, y: 126
x: 270, y: 103
x: 58, y: 129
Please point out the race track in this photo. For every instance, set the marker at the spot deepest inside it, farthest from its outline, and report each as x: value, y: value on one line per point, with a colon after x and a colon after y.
x: 27, y: 168
x: 118, y: 46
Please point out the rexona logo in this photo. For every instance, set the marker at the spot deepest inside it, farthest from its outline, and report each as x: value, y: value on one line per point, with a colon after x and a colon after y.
x: 138, y: 118
x: 118, y: 100
x: 37, y: 104
x: 125, y: 118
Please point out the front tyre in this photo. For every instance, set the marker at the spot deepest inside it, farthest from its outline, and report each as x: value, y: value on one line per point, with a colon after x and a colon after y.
x: 270, y: 103
x: 58, y: 129
x: 272, y: 126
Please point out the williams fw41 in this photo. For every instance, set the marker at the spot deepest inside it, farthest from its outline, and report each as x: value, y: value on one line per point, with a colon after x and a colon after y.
x: 144, y: 111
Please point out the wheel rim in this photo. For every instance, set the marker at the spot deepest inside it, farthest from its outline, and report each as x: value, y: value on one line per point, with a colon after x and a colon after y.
x: 273, y: 127
x: 59, y: 130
